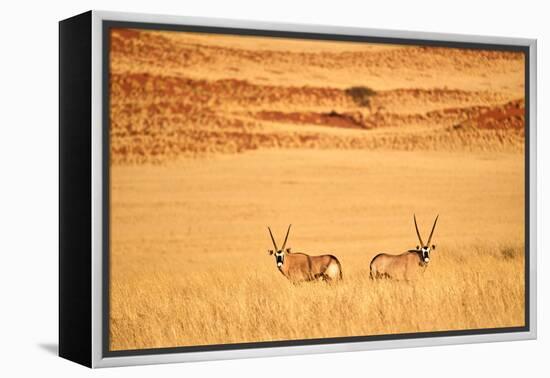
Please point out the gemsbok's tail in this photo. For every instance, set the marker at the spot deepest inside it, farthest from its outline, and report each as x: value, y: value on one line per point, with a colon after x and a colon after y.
x: 372, y: 275
x: 341, y: 276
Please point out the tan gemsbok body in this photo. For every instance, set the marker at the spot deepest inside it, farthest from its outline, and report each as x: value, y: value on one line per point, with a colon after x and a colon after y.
x: 298, y: 267
x: 406, y: 265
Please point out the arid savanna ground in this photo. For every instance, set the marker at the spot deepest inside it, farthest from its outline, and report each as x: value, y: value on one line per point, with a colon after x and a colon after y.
x: 216, y: 137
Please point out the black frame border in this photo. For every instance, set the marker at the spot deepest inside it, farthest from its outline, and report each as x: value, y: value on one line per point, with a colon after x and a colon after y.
x: 75, y: 189
x: 107, y: 25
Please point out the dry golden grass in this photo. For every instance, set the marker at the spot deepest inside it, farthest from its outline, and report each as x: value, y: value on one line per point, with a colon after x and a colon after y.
x: 466, y: 287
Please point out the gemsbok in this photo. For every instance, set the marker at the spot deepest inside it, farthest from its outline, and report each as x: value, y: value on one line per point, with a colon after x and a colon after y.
x: 299, y: 267
x: 406, y: 265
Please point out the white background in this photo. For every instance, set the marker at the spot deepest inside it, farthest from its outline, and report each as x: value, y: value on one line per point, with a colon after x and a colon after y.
x: 29, y: 189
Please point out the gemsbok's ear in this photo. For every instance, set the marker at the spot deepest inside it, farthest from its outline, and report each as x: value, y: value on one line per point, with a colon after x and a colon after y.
x: 288, y: 250
x: 417, y: 247
x: 433, y: 246
x: 270, y: 252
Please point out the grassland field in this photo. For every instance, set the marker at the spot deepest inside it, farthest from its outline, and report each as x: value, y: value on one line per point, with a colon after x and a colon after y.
x: 214, y: 138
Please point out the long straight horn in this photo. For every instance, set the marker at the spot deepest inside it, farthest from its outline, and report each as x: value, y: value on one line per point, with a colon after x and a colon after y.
x: 286, y: 237
x: 272, y: 239
x: 433, y: 228
x: 418, y: 232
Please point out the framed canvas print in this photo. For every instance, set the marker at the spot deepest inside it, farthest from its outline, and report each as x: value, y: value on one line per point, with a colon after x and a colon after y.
x: 237, y: 189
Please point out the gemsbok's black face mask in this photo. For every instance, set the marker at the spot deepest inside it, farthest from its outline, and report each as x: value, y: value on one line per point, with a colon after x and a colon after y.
x: 426, y: 255
x: 280, y: 258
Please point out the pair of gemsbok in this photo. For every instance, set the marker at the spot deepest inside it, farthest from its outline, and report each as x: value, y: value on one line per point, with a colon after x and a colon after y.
x: 299, y: 267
